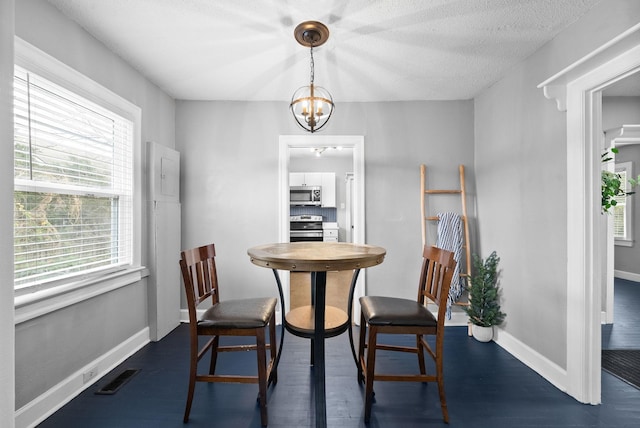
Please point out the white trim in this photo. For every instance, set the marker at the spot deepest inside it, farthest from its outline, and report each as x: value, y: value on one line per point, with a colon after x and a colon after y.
x: 39, y: 303
x: 33, y: 59
x: 629, y: 276
x: 546, y: 368
x: 583, y: 81
x: 627, y: 135
x: 623, y: 242
x: 34, y: 412
x: 607, y: 231
x: 555, y: 86
x: 458, y: 319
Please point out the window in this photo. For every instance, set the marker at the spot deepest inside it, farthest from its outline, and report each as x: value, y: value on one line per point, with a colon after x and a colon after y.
x: 74, y: 181
x: 622, y: 215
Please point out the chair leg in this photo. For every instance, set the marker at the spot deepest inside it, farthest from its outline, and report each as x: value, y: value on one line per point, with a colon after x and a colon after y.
x: 193, y: 368
x: 420, y: 348
x: 439, y: 374
x: 371, y: 363
x: 361, y: 346
x: 214, y: 355
x: 273, y: 378
x: 262, y: 374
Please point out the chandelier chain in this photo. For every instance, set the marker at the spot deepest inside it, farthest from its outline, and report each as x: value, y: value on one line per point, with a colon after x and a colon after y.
x: 311, y: 65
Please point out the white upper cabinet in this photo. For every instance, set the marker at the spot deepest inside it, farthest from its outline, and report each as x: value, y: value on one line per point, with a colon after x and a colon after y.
x: 326, y: 180
x: 329, y: 189
x: 305, y: 179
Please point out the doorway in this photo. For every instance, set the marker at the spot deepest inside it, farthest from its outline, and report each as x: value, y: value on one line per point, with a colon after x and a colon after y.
x: 355, y: 143
x: 621, y: 285
x: 619, y: 236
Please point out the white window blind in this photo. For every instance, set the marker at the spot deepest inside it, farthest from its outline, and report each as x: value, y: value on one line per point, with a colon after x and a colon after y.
x: 73, y: 199
x: 623, y: 210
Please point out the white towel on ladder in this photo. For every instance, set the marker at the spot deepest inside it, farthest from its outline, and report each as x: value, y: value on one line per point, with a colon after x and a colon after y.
x: 450, y: 239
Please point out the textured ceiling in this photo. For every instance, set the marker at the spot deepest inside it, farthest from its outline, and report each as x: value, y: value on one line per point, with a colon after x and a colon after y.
x: 387, y: 50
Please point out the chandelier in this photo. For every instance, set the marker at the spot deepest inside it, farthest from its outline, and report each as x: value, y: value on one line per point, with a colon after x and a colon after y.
x: 311, y: 105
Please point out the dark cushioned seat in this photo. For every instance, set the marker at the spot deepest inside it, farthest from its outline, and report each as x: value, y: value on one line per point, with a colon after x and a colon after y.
x: 380, y: 310
x: 241, y: 313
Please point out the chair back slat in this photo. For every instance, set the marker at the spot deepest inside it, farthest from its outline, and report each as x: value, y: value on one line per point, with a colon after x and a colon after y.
x: 435, y: 277
x: 200, y: 277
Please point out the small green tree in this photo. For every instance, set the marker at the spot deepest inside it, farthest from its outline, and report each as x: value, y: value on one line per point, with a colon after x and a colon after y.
x: 484, y: 309
x: 612, y: 185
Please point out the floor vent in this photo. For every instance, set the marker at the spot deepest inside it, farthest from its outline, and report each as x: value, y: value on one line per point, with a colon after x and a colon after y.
x: 117, y: 383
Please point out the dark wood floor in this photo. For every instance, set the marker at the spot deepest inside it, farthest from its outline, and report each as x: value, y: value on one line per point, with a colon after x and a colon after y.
x: 624, y: 333
x: 486, y: 387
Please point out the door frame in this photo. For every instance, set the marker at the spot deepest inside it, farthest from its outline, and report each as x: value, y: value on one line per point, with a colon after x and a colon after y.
x: 355, y: 142
x: 578, y: 90
x: 349, y: 208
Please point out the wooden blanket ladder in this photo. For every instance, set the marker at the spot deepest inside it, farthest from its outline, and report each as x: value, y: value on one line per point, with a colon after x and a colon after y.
x: 465, y: 268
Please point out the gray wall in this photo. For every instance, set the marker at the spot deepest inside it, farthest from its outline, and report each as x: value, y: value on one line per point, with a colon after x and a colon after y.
x: 618, y: 111
x: 230, y: 179
x: 89, y: 329
x: 521, y: 176
x: 7, y: 376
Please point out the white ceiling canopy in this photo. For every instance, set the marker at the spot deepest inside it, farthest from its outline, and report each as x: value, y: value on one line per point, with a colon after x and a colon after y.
x: 386, y: 50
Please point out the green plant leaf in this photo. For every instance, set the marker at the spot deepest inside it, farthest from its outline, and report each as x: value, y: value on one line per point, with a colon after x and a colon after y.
x: 484, y: 309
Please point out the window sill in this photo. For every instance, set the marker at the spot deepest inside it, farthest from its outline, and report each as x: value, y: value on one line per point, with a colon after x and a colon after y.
x: 624, y: 242
x: 42, y: 302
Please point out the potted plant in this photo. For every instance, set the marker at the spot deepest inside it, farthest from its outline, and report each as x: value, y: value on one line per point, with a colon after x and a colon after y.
x: 484, y: 309
x: 612, y: 186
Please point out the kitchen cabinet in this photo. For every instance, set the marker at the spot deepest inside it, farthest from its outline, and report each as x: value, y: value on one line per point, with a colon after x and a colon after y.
x: 329, y: 189
x: 330, y: 232
x: 326, y: 180
x: 305, y: 179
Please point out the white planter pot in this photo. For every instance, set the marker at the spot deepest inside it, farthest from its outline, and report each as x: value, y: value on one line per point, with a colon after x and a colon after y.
x: 482, y: 334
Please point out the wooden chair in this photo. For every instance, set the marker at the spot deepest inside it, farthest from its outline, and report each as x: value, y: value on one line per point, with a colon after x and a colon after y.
x: 392, y: 315
x: 243, y: 317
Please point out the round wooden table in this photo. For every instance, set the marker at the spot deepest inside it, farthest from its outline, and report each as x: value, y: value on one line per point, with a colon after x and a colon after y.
x: 317, y: 321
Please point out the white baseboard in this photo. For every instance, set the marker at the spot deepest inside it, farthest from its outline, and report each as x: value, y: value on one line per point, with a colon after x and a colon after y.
x: 457, y: 319
x: 546, y: 368
x: 629, y: 276
x: 34, y: 412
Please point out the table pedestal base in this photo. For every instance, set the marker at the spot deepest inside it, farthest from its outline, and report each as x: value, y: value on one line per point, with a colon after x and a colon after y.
x: 318, y: 258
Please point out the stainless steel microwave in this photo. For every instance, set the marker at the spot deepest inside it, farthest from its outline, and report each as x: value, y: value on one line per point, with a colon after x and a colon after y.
x: 305, y: 195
